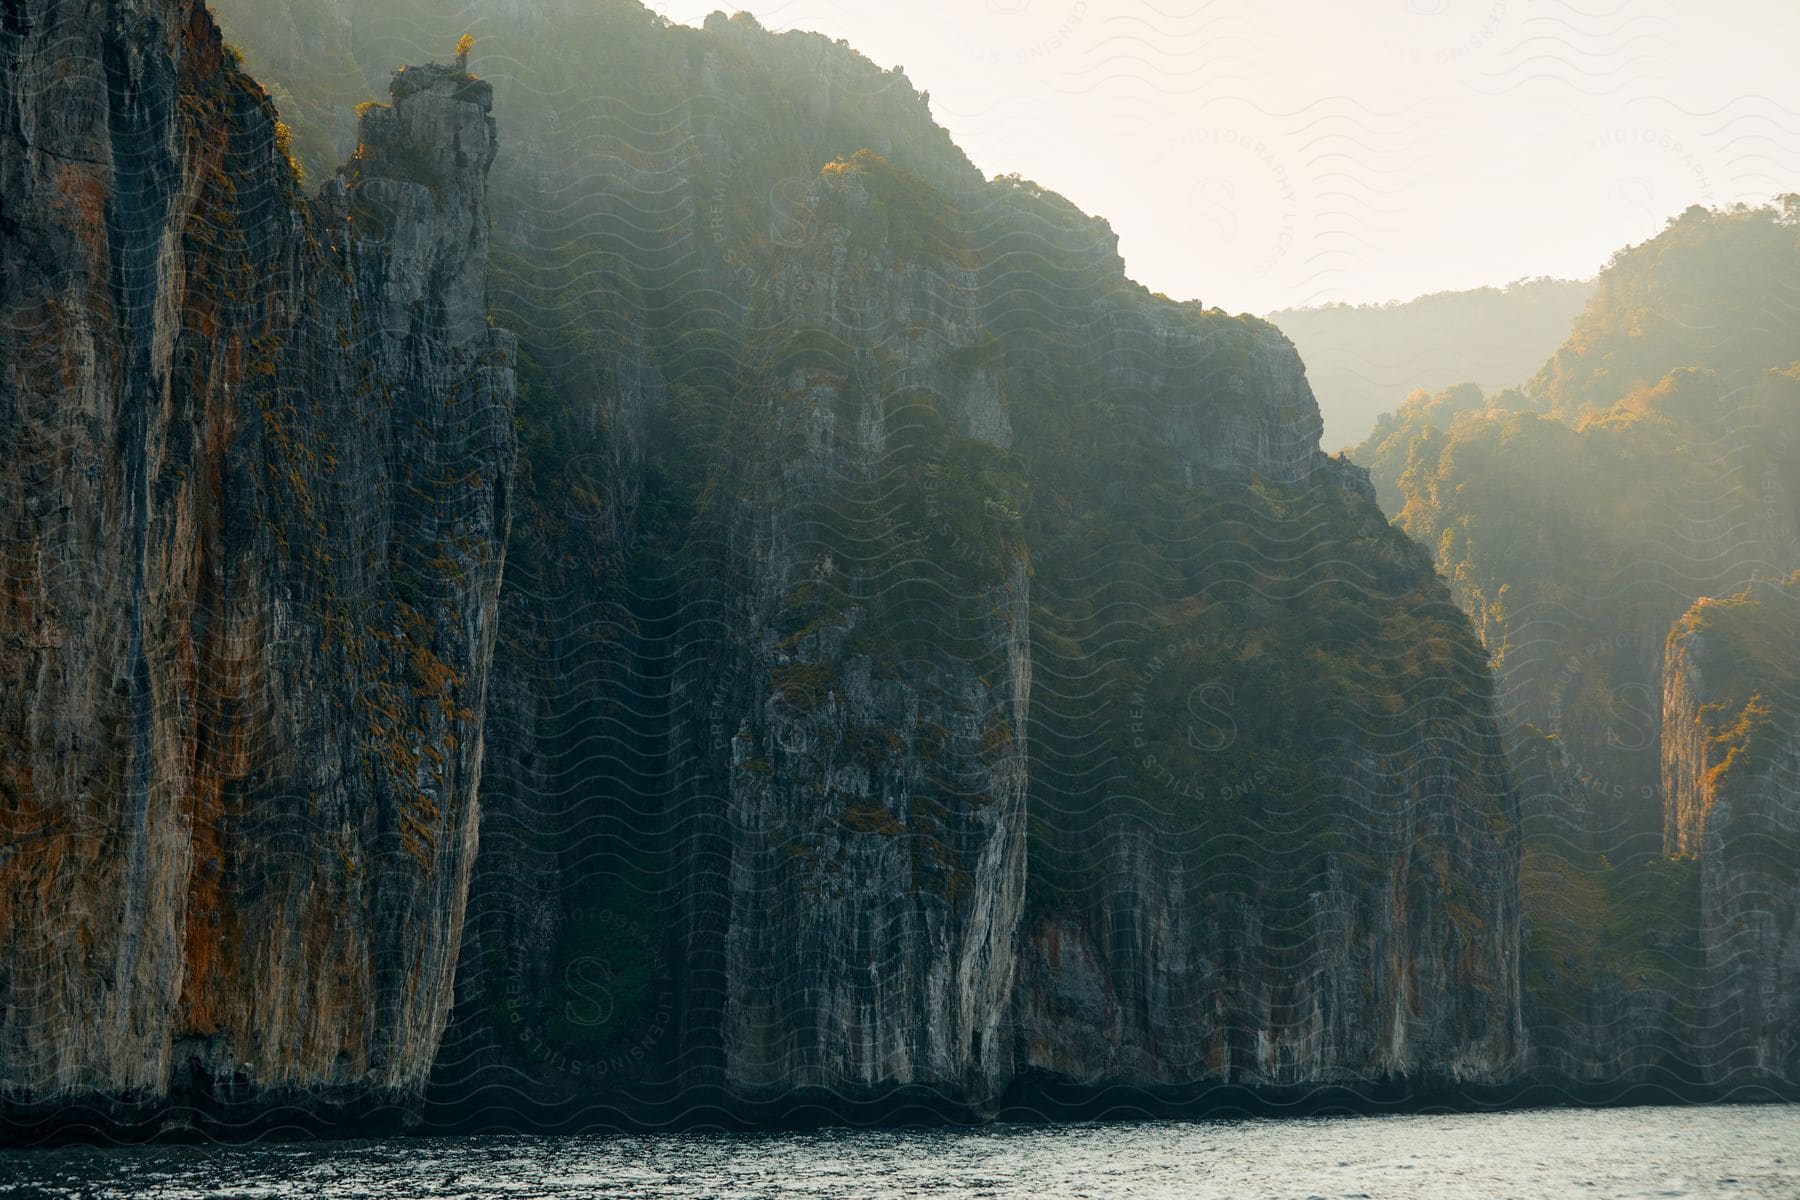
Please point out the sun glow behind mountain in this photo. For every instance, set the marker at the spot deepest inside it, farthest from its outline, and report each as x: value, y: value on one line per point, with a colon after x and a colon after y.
x: 1264, y: 155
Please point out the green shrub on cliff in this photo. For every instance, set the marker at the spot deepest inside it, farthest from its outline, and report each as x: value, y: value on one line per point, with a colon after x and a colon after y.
x: 1752, y: 671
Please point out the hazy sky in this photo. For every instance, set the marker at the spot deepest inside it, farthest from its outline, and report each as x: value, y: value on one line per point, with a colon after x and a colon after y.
x: 1256, y: 154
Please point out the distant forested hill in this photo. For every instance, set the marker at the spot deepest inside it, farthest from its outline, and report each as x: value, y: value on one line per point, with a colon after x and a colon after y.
x: 1651, y: 463
x: 1359, y: 357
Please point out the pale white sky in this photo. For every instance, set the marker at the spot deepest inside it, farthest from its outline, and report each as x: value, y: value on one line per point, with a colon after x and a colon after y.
x: 1259, y: 153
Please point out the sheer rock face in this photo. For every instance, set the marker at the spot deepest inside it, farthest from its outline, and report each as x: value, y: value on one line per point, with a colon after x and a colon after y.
x: 1631, y: 522
x: 853, y: 884
x: 1685, y: 758
x: 1402, y: 965
x: 781, y: 788
x: 783, y: 773
x: 857, y: 865
x: 1731, y: 766
x: 252, y: 519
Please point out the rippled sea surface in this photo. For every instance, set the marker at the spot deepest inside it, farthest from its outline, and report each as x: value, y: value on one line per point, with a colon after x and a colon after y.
x: 1752, y: 1151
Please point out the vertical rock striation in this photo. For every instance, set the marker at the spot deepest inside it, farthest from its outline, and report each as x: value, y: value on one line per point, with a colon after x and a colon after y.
x: 861, y: 706
x: 1731, y: 767
x: 931, y: 665
x: 252, y: 520
x: 859, y: 496
x: 1274, y: 855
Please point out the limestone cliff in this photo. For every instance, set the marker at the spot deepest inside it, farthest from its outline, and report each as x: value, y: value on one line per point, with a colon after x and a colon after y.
x: 1652, y: 460
x: 911, y: 486
x: 861, y: 708
x: 1731, y: 764
x: 859, y: 497
x: 252, y: 520
x: 1274, y: 840
x: 1574, y: 544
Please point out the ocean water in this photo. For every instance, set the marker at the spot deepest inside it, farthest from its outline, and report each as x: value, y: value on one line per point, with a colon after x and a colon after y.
x: 1633, y: 1152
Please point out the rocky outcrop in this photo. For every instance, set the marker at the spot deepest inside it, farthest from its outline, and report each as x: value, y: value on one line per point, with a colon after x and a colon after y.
x: 1673, y: 978
x: 862, y: 705
x: 1652, y: 460
x: 1731, y: 764
x: 857, y: 718
x: 1235, y: 881
x: 930, y: 666
x: 1688, y: 758
x: 252, y: 521
x: 833, y: 452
